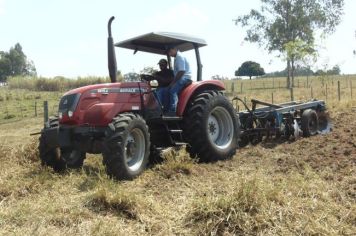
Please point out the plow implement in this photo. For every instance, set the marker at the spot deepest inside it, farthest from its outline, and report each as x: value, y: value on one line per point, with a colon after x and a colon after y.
x: 291, y: 119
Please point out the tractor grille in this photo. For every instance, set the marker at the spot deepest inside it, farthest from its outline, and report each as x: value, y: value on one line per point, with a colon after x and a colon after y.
x: 69, y: 102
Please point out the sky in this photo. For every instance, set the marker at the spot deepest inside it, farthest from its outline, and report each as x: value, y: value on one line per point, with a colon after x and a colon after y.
x: 68, y: 37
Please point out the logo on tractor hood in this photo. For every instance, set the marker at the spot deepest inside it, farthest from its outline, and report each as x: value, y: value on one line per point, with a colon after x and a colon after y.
x: 119, y: 90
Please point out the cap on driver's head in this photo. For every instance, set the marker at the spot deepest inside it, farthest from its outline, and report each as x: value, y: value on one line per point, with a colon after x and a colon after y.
x: 162, y: 62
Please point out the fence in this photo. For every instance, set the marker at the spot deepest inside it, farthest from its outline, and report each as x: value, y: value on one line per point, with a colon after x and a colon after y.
x: 333, y: 90
x: 21, y: 110
x: 328, y: 89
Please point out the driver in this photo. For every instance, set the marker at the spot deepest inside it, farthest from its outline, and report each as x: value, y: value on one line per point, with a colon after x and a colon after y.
x: 164, y: 77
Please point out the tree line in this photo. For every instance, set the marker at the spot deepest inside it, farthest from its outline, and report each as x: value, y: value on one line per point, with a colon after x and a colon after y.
x: 251, y: 68
x: 15, y: 63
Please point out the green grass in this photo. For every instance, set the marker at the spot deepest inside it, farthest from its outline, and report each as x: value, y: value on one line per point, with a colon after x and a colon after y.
x: 17, y: 104
x: 59, y: 83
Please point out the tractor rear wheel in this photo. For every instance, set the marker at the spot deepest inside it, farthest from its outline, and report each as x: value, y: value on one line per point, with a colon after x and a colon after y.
x: 211, y: 127
x: 127, y: 148
x: 309, y: 123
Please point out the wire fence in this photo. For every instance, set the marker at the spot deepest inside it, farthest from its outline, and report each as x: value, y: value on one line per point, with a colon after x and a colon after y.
x: 12, y: 113
x: 271, y: 90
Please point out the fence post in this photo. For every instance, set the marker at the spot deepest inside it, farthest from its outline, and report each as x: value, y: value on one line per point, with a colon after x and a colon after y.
x: 326, y: 91
x: 273, y: 82
x: 45, y: 114
x: 272, y: 98
x: 351, y: 88
x: 338, y: 90
x: 241, y: 86
x: 291, y: 94
x: 35, y: 108
x: 311, y: 92
x: 232, y: 86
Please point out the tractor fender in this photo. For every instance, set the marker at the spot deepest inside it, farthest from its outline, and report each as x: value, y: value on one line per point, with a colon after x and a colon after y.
x: 195, y: 88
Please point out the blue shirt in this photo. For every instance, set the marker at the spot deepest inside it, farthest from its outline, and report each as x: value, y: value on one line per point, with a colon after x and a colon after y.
x: 181, y: 64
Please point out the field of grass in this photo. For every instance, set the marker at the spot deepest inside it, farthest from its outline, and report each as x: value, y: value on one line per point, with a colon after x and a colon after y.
x: 279, y: 187
x: 17, y: 104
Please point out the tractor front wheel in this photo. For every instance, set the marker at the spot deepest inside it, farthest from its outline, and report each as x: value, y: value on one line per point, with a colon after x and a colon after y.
x: 50, y: 154
x: 127, y: 147
x: 73, y: 158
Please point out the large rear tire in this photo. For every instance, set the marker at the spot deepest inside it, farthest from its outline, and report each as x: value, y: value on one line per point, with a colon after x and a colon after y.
x: 127, y: 148
x: 211, y: 127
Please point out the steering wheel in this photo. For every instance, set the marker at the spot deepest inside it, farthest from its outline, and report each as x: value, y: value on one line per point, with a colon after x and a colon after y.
x: 147, y: 77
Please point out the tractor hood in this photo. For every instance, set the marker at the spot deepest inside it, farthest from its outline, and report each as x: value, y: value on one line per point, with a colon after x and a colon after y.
x: 97, y: 104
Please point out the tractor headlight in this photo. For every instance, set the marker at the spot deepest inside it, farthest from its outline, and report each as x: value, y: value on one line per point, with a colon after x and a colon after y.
x: 70, y: 114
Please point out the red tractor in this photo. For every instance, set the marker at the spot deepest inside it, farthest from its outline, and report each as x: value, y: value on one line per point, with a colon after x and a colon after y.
x: 124, y: 121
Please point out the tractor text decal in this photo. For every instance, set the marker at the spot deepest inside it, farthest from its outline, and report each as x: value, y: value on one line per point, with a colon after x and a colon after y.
x: 118, y: 90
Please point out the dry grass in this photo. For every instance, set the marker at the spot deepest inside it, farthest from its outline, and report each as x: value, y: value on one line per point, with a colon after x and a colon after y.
x: 304, y: 187
x: 261, y: 191
x: 176, y: 162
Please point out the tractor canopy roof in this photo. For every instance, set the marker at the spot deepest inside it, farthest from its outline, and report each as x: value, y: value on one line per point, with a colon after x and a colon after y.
x: 159, y: 42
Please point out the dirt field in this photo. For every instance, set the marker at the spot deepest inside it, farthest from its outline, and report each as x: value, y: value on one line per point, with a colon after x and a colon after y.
x: 307, y: 186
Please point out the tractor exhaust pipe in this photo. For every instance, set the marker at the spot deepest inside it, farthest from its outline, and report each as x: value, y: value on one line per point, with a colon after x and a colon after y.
x: 111, y: 54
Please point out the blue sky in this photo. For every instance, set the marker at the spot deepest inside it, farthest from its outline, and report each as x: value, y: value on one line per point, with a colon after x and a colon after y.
x: 68, y: 38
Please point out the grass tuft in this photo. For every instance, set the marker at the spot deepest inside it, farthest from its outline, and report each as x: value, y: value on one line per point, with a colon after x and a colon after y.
x: 109, y: 198
x: 295, y: 204
x: 175, y: 163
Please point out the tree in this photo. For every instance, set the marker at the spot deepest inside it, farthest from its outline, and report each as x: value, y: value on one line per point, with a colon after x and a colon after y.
x: 250, y: 68
x: 280, y: 23
x: 298, y: 50
x: 131, y: 77
x: 148, y: 70
x: 334, y: 71
x: 15, y: 63
x: 219, y: 77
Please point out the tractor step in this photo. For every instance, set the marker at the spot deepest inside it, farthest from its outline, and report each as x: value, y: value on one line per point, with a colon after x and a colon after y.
x: 180, y: 143
x: 172, y: 118
x: 176, y: 131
